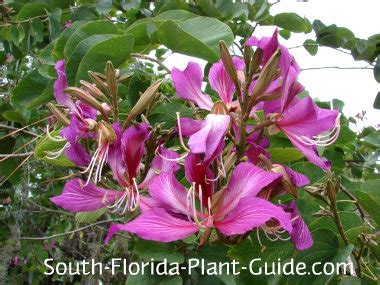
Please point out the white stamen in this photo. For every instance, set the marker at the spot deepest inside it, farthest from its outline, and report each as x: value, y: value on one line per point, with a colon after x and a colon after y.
x: 324, y: 139
x: 171, y: 159
x: 56, y: 154
x: 53, y: 138
x: 180, y: 133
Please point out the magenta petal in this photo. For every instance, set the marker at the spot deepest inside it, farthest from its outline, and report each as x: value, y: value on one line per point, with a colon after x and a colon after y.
x: 305, y: 118
x: 79, y: 198
x: 251, y: 213
x: 188, y: 84
x: 221, y: 82
x: 133, y: 145
x: 190, y: 126
x: 207, y: 139
x: 300, y: 235
x: 298, y: 179
x: 147, y: 204
x: 311, y: 153
x: 199, y: 172
x: 161, y: 165
x: 253, y: 152
x: 115, y: 156
x: 60, y: 84
x: 156, y: 225
x: 77, y: 154
x: 246, y: 181
x: 166, y: 190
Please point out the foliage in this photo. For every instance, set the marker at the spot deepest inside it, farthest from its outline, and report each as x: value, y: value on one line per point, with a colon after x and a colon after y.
x: 88, y: 34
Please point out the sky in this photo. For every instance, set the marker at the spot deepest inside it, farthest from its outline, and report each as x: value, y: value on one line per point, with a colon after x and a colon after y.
x: 357, y: 88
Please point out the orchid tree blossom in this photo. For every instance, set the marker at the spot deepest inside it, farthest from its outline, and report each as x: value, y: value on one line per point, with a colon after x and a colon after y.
x: 305, y: 124
x: 179, y: 212
x: 123, y: 151
x: 82, y: 121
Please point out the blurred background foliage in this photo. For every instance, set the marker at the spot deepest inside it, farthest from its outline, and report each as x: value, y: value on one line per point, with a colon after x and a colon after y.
x: 87, y: 33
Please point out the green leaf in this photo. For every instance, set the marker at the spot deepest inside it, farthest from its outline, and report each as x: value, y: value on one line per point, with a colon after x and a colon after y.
x: 311, y: 46
x: 166, y: 114
x: 158, y: 251
x: 376, y: 104
x: 376, y: 70
x: 80, y: 51
x: 59, y: 46
x: 86, y: 30
x: 369, y: 198
x: 103, y: 6
x: 33, y: 90
x: 269, y: 252
x: 89, y: 217
x: 286, y: 154
x: 139, y: 28
x: 325, y: 249
x: 55, y: 23
x: 313, y: 172
x: 45, y: 144
x: 292, y: 22
x: 13, y: 116
x: 37, y: 30
x: 31, y: 10
x: 199, y: 37
x: 115, y: 49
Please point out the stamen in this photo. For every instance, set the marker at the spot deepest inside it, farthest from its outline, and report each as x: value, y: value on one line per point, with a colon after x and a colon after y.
x: 170, y: 159
x: 180, y: 133
x: 56, y: 154
x: 324, y: 139
x: 53, y: 138
x: 207, y: 180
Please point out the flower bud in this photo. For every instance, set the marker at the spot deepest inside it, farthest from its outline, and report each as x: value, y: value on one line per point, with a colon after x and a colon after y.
x: 144, y: 101
x: 106, y: 132
x: 229, y: 64
x: 58, y: 115
x: 219, y: 108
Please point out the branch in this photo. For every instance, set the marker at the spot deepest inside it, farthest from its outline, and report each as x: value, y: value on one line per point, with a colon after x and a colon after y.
x: 15, y: 130
x: 69, y: 232
x: 146, y: 57
x: 15, y: 154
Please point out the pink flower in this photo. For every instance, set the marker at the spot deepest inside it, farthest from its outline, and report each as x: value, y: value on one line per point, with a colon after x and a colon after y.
x: 175, y: 214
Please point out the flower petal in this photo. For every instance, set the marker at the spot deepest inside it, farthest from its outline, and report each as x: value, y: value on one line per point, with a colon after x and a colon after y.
x: 221, y: 82
x: 133, y: 145
x: 161, y: 165
x: 188, y: 85
x: 208, y: 138
x: 246, y: 181
x: 199, y: 172
x: 79, y: 198
x: 166, y: 190
x: 251, y: 213
x: 298, y: 179
x: 300, y: 235
x: 115, y: 157
x: 190, y: 126
x: 157, y: 225
x: 305, y: 118
x: 310, y: 152
x: 60, y: 84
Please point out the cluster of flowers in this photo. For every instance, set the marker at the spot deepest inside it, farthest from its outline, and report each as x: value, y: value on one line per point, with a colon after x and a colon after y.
x: 230, y: 177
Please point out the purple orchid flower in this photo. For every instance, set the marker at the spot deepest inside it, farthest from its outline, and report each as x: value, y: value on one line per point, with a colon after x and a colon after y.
x: 81, y: 123
x: 175, y: 214
x: 303, y: 122
x: 123, y: 154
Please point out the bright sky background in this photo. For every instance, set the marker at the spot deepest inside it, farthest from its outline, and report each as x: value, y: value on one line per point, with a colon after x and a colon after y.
x: 357, y: 88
